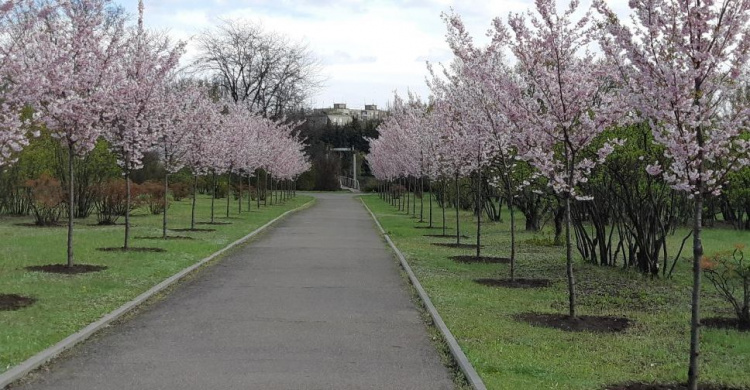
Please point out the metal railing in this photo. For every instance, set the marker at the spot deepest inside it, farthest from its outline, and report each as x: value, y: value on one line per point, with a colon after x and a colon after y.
x: 348, y: 182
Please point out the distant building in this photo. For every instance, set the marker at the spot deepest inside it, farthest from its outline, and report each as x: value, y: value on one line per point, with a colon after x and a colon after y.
x: 339, y: 115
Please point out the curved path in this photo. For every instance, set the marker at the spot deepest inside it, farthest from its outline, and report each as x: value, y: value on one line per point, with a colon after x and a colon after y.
x: 316, y: 303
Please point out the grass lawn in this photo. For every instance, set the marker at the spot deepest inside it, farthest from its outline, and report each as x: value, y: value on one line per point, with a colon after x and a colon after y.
x: 514, y: 355
x: 67, y: 303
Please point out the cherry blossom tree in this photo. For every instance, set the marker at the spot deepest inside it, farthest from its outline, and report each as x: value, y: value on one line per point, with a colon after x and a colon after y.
x: 79, y: 44
x: 681, y: 62
x: 149, y: 59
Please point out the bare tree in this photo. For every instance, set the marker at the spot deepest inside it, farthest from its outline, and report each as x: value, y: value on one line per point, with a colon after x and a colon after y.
x: 268, y: 72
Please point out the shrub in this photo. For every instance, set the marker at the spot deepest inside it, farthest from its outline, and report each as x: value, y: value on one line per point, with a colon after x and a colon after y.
x: 153, y: 196
x: 46, y: 199
x: 110, y: 201
x: 180, y: 191
x: 368, y: 184
x: 730, y: 274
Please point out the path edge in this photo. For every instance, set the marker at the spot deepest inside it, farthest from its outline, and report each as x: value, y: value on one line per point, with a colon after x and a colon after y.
x: 458, y: 354
x: 22, y: 369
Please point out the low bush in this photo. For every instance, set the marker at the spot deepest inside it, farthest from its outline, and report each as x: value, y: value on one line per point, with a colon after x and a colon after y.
x: 110, y: 200
x: 46, y: 199
x: 730, y: 274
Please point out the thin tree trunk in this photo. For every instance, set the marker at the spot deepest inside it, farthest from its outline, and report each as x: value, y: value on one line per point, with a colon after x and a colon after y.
x: 213, y: 197
x: 71, y: 203
x: 479, y: 212
x: 229, y: 190
x: 195, y: 195
x: 445, y: 200
x: 512, y: 231
x: 569, y: 259
x: 126, y: 245
x: 695, y: 312
x: 414, y: 199
x: 429, y: 188
x: 458, y: 224
x: 421, y: 200
x: 164, y: 212
x: 249, y: 195
x: 257, y: 187
x: 239, y: 199
x: 408, y: 194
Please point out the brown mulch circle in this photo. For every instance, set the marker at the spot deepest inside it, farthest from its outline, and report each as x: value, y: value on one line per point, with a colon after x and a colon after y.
x: 132, y: 249
x: 64, y: 269
x: 444, y: 236
x: 10, y: 302
x: 213, y: 223
x: 165, y: 238
x: 480, y: 260
x: 516, y: 283
x: 598, y: 324
x: 33, y: 225
x: 667, y: 386
x: 456, y: 246
x: 193, y: 230
x: 725, y: 323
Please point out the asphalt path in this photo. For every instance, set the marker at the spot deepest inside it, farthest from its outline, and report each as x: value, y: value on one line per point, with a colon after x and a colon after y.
x: 316, y: 302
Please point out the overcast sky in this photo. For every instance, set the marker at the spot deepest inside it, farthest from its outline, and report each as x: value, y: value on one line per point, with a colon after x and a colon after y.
x: 368, y: 49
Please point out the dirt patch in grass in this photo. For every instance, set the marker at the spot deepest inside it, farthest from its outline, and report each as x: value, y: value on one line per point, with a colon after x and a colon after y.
x: 725, y: 323
x: 443, y: 236
x: 10, y: 302
x: 431, y: 227
x: 33, y: 225
x: 597, y: 324
x: 65, y: 270
x: 214, y: 223
x: 193, y: 230
x: 480, y: 260
x: 515, y: 283
x: 667, y: 386
x: 456, y: 246
x: 165, y: 238
x: 132, y: 249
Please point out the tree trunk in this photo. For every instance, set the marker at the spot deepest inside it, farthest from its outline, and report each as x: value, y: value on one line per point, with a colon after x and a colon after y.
x: 421, y: 199
x: 458, y: 223
x: 71, y: 204
x: 213, y: 197
x: 164, y: 212
x: 479, y: 212
x: 195, y: 195
x: 249, y: 195
x: 239, y: 198
x: 445, y: 200
x: 512, y: 231
x: 126, y: 245
x: 569, y: 259
x: 229, y: 189
x: 429, y: 188
x: 695, y: 313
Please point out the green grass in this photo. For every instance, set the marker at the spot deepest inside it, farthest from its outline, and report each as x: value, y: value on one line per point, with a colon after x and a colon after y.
x: 67, y: 303
x: 513, y: 355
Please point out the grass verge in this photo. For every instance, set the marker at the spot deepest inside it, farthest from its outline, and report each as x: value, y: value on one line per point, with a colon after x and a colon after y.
x: 67, y: 303
x: 509, y: 354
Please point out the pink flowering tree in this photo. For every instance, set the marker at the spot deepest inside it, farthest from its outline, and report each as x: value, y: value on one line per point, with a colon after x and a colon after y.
x: 80, y: 46
x: 557, y: 97
x: 148, y: 61
x: 682, y: 63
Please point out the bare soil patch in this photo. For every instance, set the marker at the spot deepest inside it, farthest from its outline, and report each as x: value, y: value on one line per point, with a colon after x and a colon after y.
x: 597, y: 324
x: 10, y: 302
x: 214, y: 223
x: 165, y: 238
x: 480, y: 260
x: 725, y: 323
x: 65, y: 270
x: 515, y: 283
x: 668, y: 386
x: 132, y: 249
x: 456, y: 246
x: 193, y: 230
x: 444, y: 236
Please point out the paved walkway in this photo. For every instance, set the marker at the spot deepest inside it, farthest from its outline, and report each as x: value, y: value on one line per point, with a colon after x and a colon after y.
x: 316, y: 303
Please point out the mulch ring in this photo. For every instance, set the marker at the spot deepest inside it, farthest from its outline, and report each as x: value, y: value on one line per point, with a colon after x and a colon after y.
x: 597, y: 324
x: 456, y: 246
x: 132, y: 249
x: 33, y: 225
x: 480, y: 260
x: 667, y: 386
x: 64, y: 269
x: 165, y: 238
x: 193, y: 230
x: 444, y: 236
x: 725, y: 323
x: 214, y: 223
x: 433, y: 227
x: 515, y: 283
x: 10, y: 302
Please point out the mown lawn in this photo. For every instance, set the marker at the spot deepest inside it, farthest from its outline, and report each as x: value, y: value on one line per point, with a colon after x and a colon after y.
x: 67, y: 303
x: 509, y: 354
